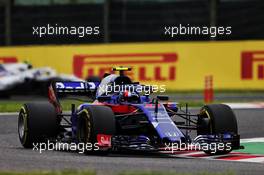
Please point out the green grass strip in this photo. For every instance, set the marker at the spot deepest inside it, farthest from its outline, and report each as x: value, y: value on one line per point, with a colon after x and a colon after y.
x: 14, y: 106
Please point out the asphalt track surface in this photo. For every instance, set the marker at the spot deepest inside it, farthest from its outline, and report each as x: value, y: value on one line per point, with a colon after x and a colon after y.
x: 14, y: 158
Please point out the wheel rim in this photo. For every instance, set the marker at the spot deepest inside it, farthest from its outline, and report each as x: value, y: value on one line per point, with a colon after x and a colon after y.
x: 206, y: 114
x: 85, y: 128
x: 21, y: 126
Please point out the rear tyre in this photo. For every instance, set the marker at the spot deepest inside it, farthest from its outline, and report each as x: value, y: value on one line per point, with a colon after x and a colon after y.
x: 36, y: 123
x: 94, y: 120
x: 217, y: 119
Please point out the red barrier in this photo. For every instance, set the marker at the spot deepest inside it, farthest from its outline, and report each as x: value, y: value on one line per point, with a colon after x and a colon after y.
x: 208, y: 89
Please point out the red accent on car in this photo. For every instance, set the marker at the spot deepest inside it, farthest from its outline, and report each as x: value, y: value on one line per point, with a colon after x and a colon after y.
x: 150, y: 105
x: 122, y: 109
x: 53, y: 99
x: 126, y: 94
x: 104, y: 140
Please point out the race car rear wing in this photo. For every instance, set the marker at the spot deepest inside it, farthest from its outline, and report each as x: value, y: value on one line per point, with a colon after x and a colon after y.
x: 62, y: 88
x: 75, y: 87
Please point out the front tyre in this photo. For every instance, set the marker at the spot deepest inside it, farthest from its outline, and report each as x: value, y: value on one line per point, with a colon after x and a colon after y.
x: 217, y: 119
x: 94, y: 120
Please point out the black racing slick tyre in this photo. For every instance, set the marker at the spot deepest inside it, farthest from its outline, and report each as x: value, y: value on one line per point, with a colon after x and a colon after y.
x: 217, y: 119
x: 36, y: 123
x: 221, y: 119
x: 94, y: 120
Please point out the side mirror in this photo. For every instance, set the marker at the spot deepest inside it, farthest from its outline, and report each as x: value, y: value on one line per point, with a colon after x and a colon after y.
x: 163, y: 97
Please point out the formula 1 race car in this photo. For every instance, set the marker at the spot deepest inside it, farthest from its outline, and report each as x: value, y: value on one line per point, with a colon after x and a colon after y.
x: 124, y: 117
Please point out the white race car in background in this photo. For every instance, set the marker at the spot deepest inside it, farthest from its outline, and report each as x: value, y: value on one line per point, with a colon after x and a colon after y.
x: 23, y: 79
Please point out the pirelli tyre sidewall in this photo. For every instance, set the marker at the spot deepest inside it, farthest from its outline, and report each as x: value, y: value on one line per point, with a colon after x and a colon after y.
x: 23, y: 127
x: 93, y: 120
x: 217, y: 119
x: 36, y: 123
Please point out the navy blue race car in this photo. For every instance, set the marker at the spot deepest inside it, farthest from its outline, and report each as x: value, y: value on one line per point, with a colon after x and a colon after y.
x: 124, y: 117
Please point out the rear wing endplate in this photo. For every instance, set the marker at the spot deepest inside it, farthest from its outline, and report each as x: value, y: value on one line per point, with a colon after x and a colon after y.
x: 61, y: 88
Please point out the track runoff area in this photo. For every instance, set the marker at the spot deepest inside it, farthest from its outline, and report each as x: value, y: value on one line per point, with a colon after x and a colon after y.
x: 253, y: 147
x: 253, y: 152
